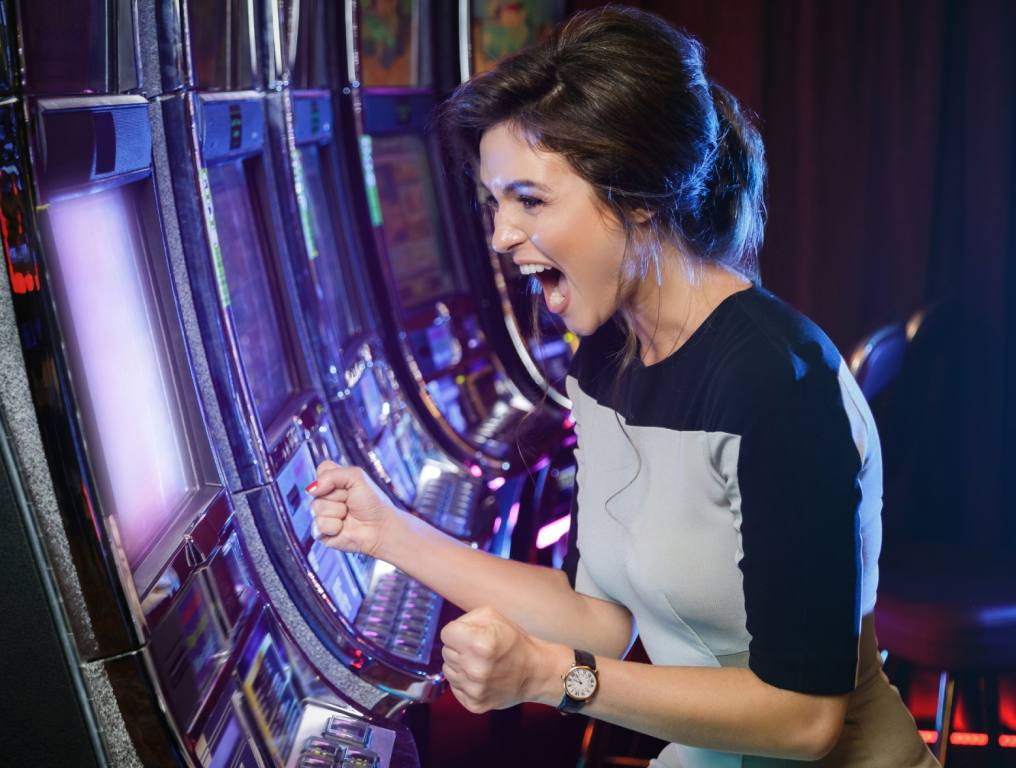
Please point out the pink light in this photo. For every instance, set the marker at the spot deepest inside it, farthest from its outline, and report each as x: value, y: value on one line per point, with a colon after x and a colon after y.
x: 929, y: 737
x: 969, y: 739
x: 496, y: 483
x: 569, y: 441
x: 513, y: 516
x: 551, y: 533
x: 475, y: 470
x: 1007, y: 740
x: 541, y: 464
x: 497, y: 524
x: 568, y: 422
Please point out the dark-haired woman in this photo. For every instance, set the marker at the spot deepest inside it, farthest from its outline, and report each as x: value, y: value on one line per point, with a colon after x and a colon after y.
x: 729, y: 482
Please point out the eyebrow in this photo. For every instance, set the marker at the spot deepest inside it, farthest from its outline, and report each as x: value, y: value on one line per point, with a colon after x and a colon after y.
x: 513, y: 187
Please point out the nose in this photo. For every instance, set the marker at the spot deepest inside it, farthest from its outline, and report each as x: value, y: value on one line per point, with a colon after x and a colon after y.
x: 506, y: 236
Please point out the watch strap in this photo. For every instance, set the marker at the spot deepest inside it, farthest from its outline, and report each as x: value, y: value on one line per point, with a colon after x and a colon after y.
x: 568, y: 705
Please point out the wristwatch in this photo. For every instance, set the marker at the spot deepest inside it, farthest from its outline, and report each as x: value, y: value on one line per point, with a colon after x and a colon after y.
x: 580, y: 683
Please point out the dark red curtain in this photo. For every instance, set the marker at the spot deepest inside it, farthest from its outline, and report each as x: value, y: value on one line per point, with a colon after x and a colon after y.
x: 890, y: 129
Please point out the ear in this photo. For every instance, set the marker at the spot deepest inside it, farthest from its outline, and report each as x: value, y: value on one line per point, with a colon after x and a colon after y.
x: 641, y: 215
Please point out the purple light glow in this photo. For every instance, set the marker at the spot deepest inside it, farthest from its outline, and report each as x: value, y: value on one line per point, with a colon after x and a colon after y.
x: 551, y: 533
x: 496, y: 483
x: 120, y: 367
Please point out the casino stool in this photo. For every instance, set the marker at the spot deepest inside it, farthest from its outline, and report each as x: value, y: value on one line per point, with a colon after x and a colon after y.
x: 937, y: 608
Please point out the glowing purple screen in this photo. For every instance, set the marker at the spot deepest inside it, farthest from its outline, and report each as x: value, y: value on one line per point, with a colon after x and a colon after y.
x: 257, y: 324
x: 120, y: 366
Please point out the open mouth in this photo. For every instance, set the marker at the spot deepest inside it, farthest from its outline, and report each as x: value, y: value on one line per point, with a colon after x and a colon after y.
x: 552, y: 283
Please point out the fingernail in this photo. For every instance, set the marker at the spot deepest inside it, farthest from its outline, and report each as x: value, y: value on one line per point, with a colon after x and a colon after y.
x: 312, y: 487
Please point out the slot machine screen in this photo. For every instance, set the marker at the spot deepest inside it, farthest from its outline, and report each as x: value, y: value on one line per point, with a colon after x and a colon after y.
x: 270, y: 688
x: 255, y: 313
x: 296, y: 475
x: 389, y: 43
x: 412, y: 229
x: 122, y: 370
x: 335, y: 573
x: 338, y: 297
x: 391, y: 459
x: 375, y: 406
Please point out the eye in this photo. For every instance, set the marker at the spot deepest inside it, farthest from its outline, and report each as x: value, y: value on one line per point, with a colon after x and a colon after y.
x: 529, y: 203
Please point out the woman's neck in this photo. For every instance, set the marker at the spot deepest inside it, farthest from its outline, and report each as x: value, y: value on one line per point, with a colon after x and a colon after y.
x: 667, y: 314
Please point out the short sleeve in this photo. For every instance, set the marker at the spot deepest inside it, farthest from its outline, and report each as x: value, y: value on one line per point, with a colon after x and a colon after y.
x: 797, y: 491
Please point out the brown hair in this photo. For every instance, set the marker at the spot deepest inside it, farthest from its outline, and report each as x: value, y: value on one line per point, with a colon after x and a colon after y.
x: 624, y: 97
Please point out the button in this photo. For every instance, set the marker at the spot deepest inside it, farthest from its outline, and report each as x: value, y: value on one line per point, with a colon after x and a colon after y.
x: 348, y: 730
x: 324, y: 747
x: 360, y: 759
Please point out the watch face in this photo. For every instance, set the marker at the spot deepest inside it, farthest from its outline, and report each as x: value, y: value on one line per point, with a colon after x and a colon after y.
x: 580, y: 683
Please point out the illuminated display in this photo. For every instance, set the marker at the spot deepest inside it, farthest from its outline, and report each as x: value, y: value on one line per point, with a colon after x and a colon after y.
x: 333, y: 570
x: 21, y: 267
x: 258, y: 325
x: 389, y: 40
x: 296, y: 475
x: 391, y: 459
x: 410, y: 445
x: 446, y: 395
x: 270, y: 690
x: 340, y: 311
x: 374, y: 405
x: 412, y: 229
x: 121, y: 368
x: 200, y: 634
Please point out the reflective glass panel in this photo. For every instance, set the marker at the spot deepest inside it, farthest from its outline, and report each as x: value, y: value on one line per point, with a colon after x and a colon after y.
x: 412, y: 229
x: 255, y: 314
x: 121, y: 367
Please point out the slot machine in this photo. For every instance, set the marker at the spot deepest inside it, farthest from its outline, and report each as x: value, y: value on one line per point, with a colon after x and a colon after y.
x: 447, y: 361
x: 353, y: 613
x: 335, y: 296
x: 488, y: 31
x: 174, y: 652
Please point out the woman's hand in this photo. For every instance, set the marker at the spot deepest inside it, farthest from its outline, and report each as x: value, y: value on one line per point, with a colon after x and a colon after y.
x: 350, y: 512
x: 492, y: 663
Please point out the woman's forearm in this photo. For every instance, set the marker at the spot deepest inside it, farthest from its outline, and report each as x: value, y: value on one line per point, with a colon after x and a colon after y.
x: 724, y: 709
x: 538, y: 599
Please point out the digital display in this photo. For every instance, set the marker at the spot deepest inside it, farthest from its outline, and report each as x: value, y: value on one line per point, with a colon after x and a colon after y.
x: 255, y: 314
x: 446, y: 395
x: 410, y: 445
x: 412, y: 228
x: 121, y: 368
x: 391, y: 460
x: 341, y: 313
x: 199, y: 635
x: 444, y: 347
x: 297, y: 474
x: 270, y: 689
x: 374, y: 404
x: 336, y: 576
x: 389, y: 42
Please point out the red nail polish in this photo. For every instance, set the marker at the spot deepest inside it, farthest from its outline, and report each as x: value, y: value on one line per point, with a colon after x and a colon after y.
x: 312, y: 487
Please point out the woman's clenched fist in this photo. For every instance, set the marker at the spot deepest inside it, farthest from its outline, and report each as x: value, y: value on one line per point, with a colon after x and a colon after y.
x: 350, y: 512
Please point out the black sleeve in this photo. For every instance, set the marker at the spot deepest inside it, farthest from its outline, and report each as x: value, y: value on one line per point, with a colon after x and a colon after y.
x: 798, y: 478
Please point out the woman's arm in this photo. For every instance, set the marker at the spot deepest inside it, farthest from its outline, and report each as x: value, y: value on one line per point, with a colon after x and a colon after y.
x: 492, y: 663
x: 351, y: 514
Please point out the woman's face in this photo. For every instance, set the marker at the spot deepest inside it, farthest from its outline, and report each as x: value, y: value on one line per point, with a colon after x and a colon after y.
x: 546, y: 215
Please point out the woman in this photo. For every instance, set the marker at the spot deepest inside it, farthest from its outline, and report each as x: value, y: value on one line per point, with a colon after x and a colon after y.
x: 729, y: 482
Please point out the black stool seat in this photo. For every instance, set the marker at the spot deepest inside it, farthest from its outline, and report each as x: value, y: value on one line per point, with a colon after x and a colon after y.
x: 955, y: 616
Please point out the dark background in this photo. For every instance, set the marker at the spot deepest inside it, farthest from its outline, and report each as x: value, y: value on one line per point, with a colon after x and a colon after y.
x: 890, y: 129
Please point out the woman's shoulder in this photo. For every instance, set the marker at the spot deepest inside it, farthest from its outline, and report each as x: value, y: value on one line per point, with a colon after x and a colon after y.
x: 767, y: 352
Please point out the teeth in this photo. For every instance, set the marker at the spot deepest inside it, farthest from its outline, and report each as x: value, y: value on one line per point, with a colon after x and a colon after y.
x: 532, y: 269
x: 555, y: 298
